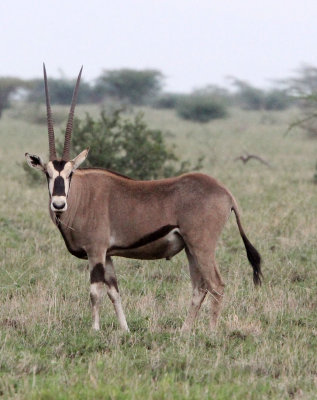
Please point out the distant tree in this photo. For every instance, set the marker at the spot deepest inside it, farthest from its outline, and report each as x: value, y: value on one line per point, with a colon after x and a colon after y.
x: 303, y: 88
x: 8, y: 86
x: 135, y: 86
x: 277, y: 99
x: 304, y: 83
x: 247, y: 96
x: 61, y: 91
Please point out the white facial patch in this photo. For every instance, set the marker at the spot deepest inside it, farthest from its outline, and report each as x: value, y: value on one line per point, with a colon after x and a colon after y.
x: 58, y: 184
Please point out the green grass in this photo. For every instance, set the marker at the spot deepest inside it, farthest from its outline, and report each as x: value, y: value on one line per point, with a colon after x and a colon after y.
x: 266, y: 343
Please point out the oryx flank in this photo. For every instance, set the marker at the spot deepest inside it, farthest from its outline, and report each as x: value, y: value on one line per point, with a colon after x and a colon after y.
x: 101, y: 214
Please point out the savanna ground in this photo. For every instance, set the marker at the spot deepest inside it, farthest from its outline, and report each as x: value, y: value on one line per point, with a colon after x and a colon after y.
x: 265, y: 346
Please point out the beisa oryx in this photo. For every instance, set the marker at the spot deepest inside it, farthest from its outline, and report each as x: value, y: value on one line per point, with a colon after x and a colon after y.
x: 101, y: 214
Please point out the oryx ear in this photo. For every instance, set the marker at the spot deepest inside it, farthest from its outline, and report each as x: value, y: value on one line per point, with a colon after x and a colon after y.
x: 35, y: 161
x: 80, y: 158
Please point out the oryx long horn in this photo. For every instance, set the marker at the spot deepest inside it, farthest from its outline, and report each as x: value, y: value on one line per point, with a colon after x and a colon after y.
x: 69, y: 127
x: 51, y: 137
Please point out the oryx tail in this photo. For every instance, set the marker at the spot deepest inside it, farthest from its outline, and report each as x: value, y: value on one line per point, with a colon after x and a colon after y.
x: 252, y: 253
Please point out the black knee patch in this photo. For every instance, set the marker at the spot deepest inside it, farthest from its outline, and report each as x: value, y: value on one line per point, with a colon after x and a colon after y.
x: 97, y: 274
x: 112, y: 281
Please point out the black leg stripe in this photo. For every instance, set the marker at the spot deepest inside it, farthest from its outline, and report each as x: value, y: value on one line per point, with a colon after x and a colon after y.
x: 112, y: 281
x: 97, y: 274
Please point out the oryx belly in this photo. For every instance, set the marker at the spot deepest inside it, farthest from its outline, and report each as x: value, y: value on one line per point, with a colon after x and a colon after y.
x: 163, y: 247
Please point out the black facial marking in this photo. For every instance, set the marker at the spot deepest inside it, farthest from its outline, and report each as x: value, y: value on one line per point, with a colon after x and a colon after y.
x: 59, y: 187
x: 97, y: 274
x: 48, y: 183
x: 59, y: 165
x: 70, y: 179
x: 151, y: 237
x: 35, y: 160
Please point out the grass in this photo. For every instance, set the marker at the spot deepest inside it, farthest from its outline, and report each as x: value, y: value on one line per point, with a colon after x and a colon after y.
x: 266, y: 343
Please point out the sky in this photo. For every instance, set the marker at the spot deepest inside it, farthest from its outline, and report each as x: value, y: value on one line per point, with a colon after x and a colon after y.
x: 193, y: 43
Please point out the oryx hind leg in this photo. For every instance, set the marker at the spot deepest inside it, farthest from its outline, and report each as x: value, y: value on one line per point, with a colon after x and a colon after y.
x: 213, y: 283
x: 206, y: 280
x: 201, y: 244
x: 199, y: 293
x: 113, y: 293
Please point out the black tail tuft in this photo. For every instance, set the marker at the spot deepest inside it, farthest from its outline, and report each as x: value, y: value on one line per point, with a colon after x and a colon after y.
x: 254, y: 259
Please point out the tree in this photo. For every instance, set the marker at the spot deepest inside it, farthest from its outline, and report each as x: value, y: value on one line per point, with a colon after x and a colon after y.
x: 303, y: 88
x: 61, y: 91
x: 252, y: 98
x: 277, y: 99
x: 304, y: 83
x: 247, y: 96
x: 130, y: 85
x: 8, y: 86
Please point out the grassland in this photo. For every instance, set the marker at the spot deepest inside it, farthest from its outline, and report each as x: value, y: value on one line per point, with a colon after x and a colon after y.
x: 266, y: 343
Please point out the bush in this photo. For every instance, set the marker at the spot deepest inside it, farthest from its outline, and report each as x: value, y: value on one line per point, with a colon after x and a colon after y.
x: 201, y: 108
x: 126, y: 146
x: 167, y: 100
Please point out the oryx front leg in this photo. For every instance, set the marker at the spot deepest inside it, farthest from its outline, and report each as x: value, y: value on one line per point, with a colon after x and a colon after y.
x: 113, y: 293
x: 97, y: 281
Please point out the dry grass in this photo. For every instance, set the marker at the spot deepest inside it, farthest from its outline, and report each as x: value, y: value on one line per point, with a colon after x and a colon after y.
x: 266, y: 343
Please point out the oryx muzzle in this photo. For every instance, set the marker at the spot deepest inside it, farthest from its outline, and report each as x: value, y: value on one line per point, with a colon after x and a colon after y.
x: 101, y: 214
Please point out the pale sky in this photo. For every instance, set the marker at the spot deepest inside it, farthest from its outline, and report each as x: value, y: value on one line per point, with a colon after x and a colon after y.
x: 194, y: 43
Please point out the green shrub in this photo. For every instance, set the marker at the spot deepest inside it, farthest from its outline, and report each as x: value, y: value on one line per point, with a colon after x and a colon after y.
x: 201, y: 108
x: 126, y: 146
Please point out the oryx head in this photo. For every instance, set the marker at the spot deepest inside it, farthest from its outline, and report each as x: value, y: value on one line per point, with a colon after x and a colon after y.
x: 58, y: 171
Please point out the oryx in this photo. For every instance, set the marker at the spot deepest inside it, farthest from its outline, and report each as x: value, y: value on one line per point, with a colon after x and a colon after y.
x: 101, y: 214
